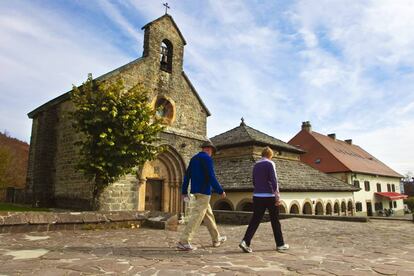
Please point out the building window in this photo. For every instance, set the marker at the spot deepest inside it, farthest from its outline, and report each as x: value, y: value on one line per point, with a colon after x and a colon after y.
x: 317, y: 161
x: 358, y: 207
x: 356, y: 184
x: 393, y: 187
x: 390, y: 204
x: 166, y: 55
x: 395, y: 204
x: 366, y: 184
x: 379, y: 187
x: 388, y: 187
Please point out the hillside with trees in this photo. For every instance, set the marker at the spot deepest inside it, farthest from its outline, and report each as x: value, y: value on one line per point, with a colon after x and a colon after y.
x: 14, y: 155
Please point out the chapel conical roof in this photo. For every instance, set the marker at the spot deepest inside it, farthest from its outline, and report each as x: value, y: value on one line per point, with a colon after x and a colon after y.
x: 246, y: 135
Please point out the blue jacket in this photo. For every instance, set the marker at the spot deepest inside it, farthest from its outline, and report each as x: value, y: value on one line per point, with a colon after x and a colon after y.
x: 200, y: 168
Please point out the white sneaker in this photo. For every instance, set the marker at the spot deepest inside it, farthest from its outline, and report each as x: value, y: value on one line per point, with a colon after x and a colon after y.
x: 185, y: 246
x: 282, y: 247
x: 245, y: 247
x: 220, y: 241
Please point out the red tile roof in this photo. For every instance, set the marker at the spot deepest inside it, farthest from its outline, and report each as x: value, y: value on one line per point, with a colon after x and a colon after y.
x: 354, y: 157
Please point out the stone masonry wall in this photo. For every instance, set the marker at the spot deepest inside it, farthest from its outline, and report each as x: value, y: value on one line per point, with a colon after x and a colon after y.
x: 42, y: 169
x: 30, y: 167
x: 72, y: 190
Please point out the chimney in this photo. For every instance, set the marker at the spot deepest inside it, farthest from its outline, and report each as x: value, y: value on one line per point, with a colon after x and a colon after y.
x: 348, y: 141
x: 332, y: 135
x: 306, y: 126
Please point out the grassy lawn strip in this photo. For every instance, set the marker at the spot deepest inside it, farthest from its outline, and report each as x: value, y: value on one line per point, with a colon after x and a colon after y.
x: 20, y: 208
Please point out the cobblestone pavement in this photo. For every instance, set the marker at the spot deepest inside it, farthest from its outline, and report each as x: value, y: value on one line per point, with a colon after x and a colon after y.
x: 317, y: 247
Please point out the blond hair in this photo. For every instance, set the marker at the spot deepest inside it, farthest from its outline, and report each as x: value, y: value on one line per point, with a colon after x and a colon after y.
x: 267, y: 152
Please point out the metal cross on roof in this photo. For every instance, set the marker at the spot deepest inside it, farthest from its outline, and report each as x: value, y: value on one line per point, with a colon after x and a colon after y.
x: 242, y: 122
x: 166, y: 7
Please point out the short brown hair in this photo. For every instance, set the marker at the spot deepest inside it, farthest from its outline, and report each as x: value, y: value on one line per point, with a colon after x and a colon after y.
x: 267, y: 152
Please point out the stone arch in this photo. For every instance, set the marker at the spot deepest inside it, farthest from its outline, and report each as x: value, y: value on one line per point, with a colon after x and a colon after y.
x: 343, y: 207
x: 165, y: 109
x: 319, y: 207
x: 282, y: 207
x: 307, y: 207
x: 245, y: 205
x: 350, y: 207
x: 223, y: 204
x: 169, y: 168
x: 328, y: 208
x: 294, y: 207
x: 166, y: 55
x: 336, y: 208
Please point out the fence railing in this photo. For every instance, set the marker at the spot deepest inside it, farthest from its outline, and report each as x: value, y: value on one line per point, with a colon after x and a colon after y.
x: 12, y: 195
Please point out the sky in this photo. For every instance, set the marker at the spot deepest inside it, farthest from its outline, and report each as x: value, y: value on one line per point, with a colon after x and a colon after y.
x: 345, y: 66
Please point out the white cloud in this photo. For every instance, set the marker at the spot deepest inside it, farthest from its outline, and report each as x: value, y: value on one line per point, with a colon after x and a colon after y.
x: 41, y: 57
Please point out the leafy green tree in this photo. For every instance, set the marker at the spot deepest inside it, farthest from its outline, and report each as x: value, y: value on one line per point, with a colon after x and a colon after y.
x: 119, y: 131
x: 410, y: 203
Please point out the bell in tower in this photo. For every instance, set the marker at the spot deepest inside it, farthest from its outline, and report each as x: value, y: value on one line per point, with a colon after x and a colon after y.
x: 166, y: 56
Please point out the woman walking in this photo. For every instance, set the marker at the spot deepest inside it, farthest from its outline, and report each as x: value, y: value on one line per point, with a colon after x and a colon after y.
x: 265, y: 196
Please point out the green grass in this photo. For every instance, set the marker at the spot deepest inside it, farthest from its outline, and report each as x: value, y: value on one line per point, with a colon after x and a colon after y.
x: 20, y: 208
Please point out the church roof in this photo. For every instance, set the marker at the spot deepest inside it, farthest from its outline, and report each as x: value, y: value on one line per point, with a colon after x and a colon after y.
x: 293, y: 176
x: 196, y: 93
x: 173, y: 22
x: 245, y: 135
x: 66, y: 96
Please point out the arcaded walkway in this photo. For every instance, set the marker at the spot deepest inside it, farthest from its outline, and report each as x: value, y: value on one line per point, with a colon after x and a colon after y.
x: 317, y: 247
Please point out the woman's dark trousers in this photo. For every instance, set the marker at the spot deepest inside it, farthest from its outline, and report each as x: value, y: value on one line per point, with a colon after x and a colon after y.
x: 260, y: 204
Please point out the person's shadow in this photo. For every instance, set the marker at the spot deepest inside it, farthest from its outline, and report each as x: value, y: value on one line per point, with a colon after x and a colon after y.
x: 138, y: 251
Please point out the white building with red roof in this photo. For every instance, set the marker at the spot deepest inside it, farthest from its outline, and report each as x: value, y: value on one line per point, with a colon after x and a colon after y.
x: 380, y: 185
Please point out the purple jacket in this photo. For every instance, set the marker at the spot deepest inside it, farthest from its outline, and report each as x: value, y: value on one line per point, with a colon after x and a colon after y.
x: 265, y: 178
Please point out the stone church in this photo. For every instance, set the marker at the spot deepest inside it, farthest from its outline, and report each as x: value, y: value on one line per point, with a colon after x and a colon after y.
x: 52, y: 178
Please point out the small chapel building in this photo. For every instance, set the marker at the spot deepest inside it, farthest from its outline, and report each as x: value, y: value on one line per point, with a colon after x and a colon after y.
x: 52, y: 179
x: 304, y: 190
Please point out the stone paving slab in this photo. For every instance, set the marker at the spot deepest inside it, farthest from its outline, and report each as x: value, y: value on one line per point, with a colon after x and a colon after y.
x: 317, y: 248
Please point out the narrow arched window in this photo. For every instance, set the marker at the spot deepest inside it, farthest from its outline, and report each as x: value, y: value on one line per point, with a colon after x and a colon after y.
x: 166, y: 55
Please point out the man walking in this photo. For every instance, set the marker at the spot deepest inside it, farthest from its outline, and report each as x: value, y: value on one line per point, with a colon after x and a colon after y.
x: 201, y: 173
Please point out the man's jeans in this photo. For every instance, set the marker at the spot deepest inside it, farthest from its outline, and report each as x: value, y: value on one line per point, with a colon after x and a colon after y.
x: 201, y: 210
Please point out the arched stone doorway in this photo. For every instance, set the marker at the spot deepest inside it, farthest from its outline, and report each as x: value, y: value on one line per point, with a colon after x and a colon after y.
x: 319, y: 208
x: 245, y: 205
x: 160, y: 183
x: 223, y: 205
x: 307, y: 209
x: 350, y: 208
x: 343, y: 208
x: 328, y: 208
x: 282, y: 207
x: 336, y: 208
x: 294, y: 209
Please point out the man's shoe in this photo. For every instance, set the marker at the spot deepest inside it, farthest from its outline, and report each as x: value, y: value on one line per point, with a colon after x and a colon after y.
x: 185, y: 246
x: 245, y: 247
x: 220, y: 241
x: 282, y: 247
